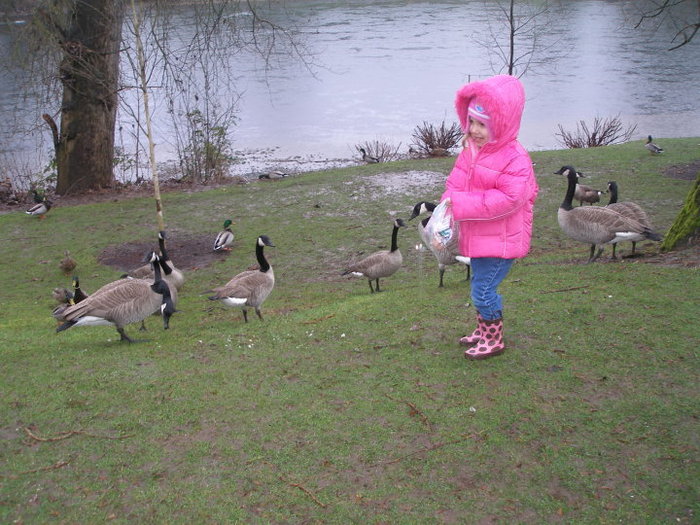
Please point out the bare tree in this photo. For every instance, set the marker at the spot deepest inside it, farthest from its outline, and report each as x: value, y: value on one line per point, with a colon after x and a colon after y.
x: 683, y: 14
x: 81, y: 39
x: 516, y: 36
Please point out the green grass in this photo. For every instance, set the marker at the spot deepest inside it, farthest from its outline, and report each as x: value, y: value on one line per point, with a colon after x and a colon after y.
x: 347, y: 407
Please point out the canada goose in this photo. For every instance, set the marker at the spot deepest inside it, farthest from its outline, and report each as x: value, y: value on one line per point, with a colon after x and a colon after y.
x: 172, y: 275
x: 272, y: 175
x: 596, y: 225
x: 251, y: 287
x: 629, y: 209
x: 382, y: 263
x: 583, y: 193
x: 653, y: 148
x: 369, y: 159
x: 123, y: 302
x: 224, y: 237
x: 40, y: 209
x: 445, y: 254
x: 67, y: 264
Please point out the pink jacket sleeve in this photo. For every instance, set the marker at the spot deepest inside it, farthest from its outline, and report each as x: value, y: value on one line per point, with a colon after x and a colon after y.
x: 503, y: 193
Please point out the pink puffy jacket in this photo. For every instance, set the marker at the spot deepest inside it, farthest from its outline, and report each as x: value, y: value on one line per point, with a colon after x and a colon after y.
x: 493, y: 190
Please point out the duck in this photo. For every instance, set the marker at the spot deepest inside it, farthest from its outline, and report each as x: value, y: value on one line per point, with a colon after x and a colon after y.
x: 67, y: 264
x: 123, y: 302
x: 632, y: 210
x: 445, y: 255
x: 249, y: 288
x: 78, y: 293
x: 654, y: 149
x: 224, y: 238
x: 272, y: 175
x: 583, y: 193
x: 40, y: 209
x: 62, y: 295
x: 369, y: 159
x: 383, y: 263
x: 596, y: 225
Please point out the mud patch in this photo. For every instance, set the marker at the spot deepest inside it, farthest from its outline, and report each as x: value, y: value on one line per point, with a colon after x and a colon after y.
x: 683, y: 171
x: 188, y: 253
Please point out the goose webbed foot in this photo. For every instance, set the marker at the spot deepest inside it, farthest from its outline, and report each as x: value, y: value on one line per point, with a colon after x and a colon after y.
x: 245, y: 315
x: 143, y: 328
x: 124, y: 337
x: 257, y: 311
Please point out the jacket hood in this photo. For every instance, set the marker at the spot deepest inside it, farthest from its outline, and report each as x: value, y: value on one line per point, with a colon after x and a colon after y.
x: 503, y: 96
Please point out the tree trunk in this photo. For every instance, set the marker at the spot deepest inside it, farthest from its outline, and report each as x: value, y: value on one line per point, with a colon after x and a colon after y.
x: 686, y: 227
x: 89, y: 75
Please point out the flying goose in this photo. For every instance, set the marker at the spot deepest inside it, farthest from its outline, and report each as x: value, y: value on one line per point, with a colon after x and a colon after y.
x: 445, y: 254
x: 596, y: 225
x: 251, y: 287
x: 123, y: 302
x: 583, y: 193
x: 369, y: 159
x: 382, y: 263
x: 224, y: 237
x: 629, y: 209
x: 653, y: 148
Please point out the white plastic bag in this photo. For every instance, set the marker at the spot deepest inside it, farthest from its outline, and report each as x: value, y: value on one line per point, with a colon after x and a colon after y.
x: 440, y: 226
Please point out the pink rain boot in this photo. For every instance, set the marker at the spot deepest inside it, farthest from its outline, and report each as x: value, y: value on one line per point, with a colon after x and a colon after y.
x: 491, y: 342
x: 470, y: 340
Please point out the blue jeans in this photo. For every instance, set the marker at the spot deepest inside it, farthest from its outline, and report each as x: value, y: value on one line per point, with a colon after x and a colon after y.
x: 487, y: 274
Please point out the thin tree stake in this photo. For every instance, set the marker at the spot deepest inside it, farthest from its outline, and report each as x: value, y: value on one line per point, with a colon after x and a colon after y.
x: 149, y: 133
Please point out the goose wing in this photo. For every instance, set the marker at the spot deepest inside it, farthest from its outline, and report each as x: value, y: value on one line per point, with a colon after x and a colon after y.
x: 128, y: 300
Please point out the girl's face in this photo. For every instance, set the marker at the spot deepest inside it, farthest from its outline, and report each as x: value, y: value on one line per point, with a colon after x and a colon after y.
x: 478, y: 132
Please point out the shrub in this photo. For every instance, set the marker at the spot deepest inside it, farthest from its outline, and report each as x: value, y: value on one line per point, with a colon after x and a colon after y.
x: 379, y: 150
x: 603, y: 133
x: 432, y: 141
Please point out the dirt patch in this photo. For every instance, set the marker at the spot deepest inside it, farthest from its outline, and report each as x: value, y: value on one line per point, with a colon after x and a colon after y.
x: 683, y: 171
x: 189, y: 253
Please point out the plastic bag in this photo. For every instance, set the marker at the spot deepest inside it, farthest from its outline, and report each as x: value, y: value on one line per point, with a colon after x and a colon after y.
x: 440, y: 226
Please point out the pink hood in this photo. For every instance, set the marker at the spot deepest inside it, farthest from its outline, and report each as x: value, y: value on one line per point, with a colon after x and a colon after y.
x: 493, y: 189
x: 504, y: 98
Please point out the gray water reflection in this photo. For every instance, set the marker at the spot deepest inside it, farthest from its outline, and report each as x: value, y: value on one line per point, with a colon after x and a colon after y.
x: 389, y: 66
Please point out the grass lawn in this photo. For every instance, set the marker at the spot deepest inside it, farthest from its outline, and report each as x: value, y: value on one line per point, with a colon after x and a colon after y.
x: 349, y: 407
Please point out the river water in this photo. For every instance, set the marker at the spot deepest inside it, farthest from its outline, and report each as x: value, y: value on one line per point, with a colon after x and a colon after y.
x: 382, y: 68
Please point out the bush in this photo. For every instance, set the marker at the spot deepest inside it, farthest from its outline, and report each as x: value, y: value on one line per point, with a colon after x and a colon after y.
x: 603, y: 133
x: 378, y: 151
x: 432, y: 141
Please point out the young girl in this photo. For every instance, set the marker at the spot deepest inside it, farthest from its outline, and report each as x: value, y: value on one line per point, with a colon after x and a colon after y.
x: 491, y: 191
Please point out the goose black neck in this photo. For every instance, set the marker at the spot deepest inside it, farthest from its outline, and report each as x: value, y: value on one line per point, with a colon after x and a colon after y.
x: 570, y: 190
x: 163, y: 263
x: 262, y: 262
x: 157, y: 276
x: 613, y: 193
x: 163, y: 252
x: 394, y: 237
